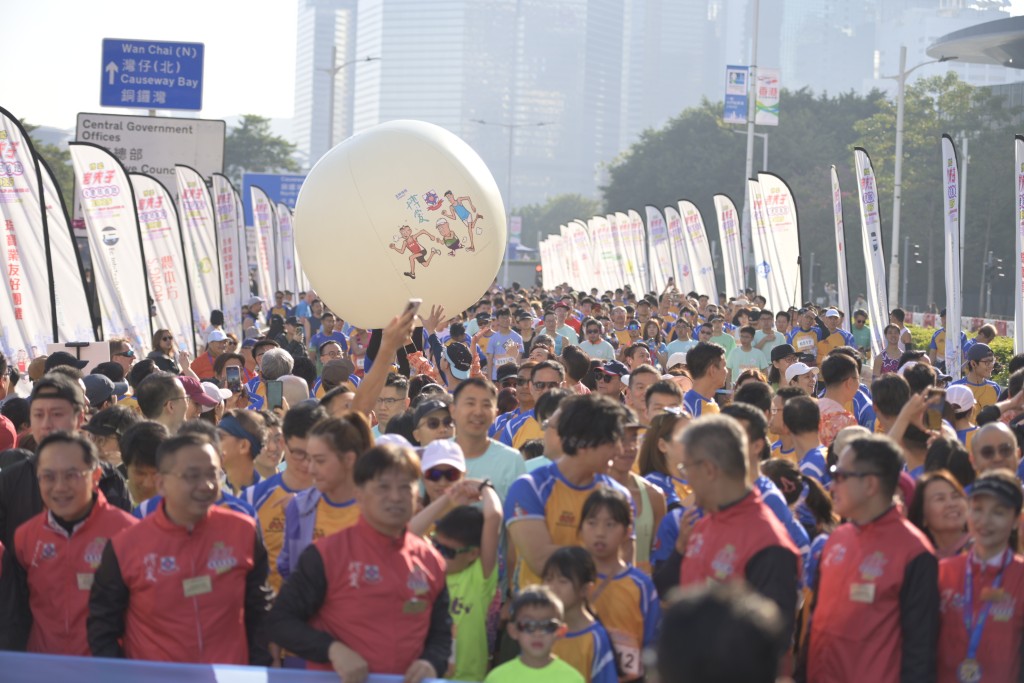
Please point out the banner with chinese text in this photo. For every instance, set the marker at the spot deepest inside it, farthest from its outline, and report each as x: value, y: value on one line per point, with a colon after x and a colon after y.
x: 26, y: 308
x: 842, y: 280
x: 767, y: 103
x: 286, y: 250
x: 699, y: 249
x: 874, y: 258
x: 681, y: 257
x: 1018, y: 257
x: 199, y: 237
x: 780, y: 212
x: 736, y: 81
x: 263, y: 217
x: 951, y: 220
x: 108, y: 207
x: 729, y: 234
x: 659, y: 255
x: 169, y: 286
x: 231, y: 247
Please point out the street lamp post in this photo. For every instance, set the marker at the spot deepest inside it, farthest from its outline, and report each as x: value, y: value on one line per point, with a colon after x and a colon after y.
x: 764, y: 148
x: 508, y: 181
x: 332, y: 71
x: 746, y: 236
x: 897, y: 190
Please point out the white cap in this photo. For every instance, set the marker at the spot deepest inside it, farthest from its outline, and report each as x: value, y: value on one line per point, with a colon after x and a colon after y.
x: 216, y: 393
x: 393, y: 440
x: 832, y: 313
x: 961, y: 397
x: 797, y: 369
x: 217, y: 336
x: 677, y: 358
x: 443, y: 452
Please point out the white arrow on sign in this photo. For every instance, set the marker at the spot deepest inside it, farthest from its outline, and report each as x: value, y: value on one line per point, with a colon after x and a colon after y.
x: 111, y: 69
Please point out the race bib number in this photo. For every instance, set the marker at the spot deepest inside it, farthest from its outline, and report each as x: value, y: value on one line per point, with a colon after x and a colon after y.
x: 199, y: 585
x: 805, y: 344
x: 627, y: 651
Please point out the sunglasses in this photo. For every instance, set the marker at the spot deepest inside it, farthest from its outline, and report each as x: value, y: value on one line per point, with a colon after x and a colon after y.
x: 860, y: 321
x: 450, y: 553
x: 435, y: 422
x: 839, y: 476
x: 509, y: 382
x: 533, y: 626
x: 1004, y: 451
x: 605, y: 377
x: 435, y: 475
x: 544, y: 386
x: 127, y: 354
x: 167, y: 339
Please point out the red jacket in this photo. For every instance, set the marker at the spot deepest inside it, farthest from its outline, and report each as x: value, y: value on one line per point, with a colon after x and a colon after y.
x: 58, y: 574
x: 877, y: 605
x: 178, y: 596
x: 999, y: 653
x: 745, y: 542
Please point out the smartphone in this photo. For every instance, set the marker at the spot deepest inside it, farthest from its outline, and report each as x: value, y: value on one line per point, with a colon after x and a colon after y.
x: 275, y: 393
x: 936, y: 400
x: 233, y: 373
x: 413, y: 305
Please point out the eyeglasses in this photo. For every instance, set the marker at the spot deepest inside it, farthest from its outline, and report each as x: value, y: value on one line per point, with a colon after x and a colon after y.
x: 593, y: 331
x: 1005, y: 451
x: 522, y: 381
x: 195, y: 477
x: 72, y: 477
x: 388, y: 401
x: 127, y: 354
x: 179, y: 398
x: 544, y: 386
x: 860, y: 321
x: 987, y: 361
x: 449, y: 553
x: 548, y: 626
x: 435, y: 422
x: 436, y: 474
x: 166, y: 338
x: 839, y: 475
x: 331, y: 354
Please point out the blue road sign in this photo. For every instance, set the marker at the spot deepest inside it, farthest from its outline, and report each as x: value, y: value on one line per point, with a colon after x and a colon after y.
x: 152, y: 75
x: 279, y: 187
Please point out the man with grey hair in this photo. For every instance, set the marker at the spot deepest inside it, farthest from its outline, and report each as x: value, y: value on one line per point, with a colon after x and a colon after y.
x: 274, y: 364
x: 739, y: 538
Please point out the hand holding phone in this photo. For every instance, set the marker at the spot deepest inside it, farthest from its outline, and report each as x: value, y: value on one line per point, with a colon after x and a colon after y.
x: 275, y: 393
x: 233, y: 375
x: 935, y: 400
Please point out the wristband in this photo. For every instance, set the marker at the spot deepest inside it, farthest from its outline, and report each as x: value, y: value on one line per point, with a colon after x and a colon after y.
x: 485, y: 483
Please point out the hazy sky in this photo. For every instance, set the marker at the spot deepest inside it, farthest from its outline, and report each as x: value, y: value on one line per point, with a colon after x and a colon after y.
x: 52, y: 52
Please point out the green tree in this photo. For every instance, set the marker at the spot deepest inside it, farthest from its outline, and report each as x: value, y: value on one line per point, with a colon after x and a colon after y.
x: 251, y: 147
x: 541, y: 220
x: 59, y: 161
x: 695, y: 156
x: 933, y: 106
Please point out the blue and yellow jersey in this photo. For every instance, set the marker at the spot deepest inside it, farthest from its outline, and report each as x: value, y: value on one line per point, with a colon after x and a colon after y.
x: 627, y: 605
x: 966, y: 436
x: 257, y: 391
x: 838, y: 338
x: 521, y: 429
x: 805, y: 341
x: 985, y: 394
x: 334, y: 517
x: 545, y: 495
x: 779, y: 452
x: 666, y: 537
x: 698, y: 405
x: 938, y: 343
x: 270, y: 498
x: 501, y: 421
x: 589, y: 651
x: 677, y: 491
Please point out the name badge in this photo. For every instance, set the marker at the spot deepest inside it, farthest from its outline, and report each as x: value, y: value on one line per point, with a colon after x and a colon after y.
x: 414, y: 606
x: 862, y: 592
x: 198, y: 585
x: 84, y: 581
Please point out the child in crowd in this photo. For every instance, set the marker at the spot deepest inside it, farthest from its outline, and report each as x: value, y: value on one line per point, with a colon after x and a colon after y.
x: 625, y: 598
x: 536, y: 623
x: 467, y: 538
x: 571, y: 573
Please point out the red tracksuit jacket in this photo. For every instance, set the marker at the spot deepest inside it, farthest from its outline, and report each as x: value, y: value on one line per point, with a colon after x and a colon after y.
x: 999, y: 653
x: 59, y: 572
x: 176, y: 595
x: 876, y: 615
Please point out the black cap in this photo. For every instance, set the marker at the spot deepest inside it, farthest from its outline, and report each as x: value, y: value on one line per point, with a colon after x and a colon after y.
x: 781, y: 351
x: 64, y: 358
x: 431, y: 405
x: 506, y: 370
x: 58, y: 385
x: 112, y: 421
x: 292, y: 320
x: 1002, y: 488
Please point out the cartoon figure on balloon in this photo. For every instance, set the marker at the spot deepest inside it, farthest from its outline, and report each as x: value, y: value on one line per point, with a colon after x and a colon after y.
x: 417, y: 252
x: 450, y: 239
x: 457, y: 210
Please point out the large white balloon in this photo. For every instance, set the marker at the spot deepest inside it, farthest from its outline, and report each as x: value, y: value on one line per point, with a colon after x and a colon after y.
x: 405, y: 209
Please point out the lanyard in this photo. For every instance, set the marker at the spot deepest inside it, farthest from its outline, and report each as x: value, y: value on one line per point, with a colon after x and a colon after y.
x: 975, y: 627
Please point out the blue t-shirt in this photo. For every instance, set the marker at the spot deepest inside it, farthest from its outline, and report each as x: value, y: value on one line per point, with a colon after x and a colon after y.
x: 505, y: 348
x: 697, y: 405
x: 226, y: 500
x: 319, y: 338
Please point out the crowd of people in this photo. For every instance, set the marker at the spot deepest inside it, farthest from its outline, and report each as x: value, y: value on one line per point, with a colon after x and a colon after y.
x: 550, y: 486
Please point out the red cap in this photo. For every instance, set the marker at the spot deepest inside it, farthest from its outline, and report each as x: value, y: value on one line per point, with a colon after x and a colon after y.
x: 8, y: 436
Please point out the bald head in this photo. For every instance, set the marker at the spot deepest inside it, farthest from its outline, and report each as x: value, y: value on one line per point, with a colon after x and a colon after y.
x: 994, y: 447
